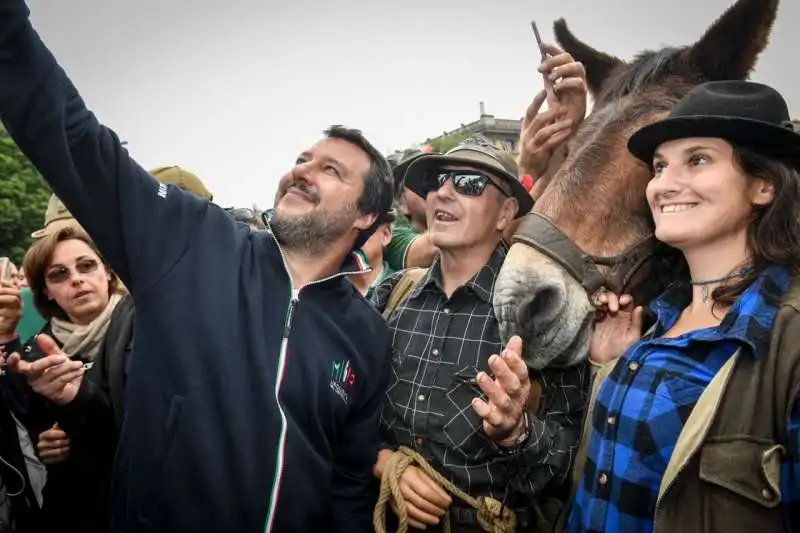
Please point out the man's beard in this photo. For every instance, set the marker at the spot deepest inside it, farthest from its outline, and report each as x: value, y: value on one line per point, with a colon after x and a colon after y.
x: 312, y: 233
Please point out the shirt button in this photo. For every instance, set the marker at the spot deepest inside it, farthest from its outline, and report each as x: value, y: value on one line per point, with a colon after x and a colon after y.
x: 766, y: 494
x: 611, y: 420
x: 434, y: 352
x: 446, y: 310
x: 421, y: 397
x: 633, y: 367
x: 603, y: 479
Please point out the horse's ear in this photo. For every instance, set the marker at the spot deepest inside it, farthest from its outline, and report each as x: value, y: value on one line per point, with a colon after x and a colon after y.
x: 731, y: 46
x: 598, y: 64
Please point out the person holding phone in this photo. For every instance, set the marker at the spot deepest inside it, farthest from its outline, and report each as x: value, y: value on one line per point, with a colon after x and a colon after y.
x: 545, y: 134
x: 76, y: 292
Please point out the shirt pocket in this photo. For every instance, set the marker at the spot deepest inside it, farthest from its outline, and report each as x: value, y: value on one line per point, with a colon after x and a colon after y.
x: 680, y: 390
x: 462, y: 427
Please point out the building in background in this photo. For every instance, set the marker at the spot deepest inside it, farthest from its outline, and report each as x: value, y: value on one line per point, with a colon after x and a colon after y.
x: 504, y: 133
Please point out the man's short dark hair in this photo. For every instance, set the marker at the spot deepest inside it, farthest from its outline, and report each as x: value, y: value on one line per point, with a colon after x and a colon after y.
x: 378, y: 183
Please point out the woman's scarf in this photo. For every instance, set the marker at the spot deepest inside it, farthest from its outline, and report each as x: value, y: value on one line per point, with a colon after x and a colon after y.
x: 84, y: 341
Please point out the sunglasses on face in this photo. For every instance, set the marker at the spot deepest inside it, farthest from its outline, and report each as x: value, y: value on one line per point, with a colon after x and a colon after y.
x: 61, y: 274
x: 465, y: 182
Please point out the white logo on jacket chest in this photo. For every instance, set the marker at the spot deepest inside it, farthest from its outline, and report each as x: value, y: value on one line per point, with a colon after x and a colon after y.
x: 343, y: 379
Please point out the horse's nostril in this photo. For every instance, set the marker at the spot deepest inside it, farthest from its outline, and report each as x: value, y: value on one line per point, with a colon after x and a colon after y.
x: 542, y: 307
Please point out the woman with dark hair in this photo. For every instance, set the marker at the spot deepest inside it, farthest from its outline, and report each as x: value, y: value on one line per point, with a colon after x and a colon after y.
x: 62, y: 404
x: 693, y: 426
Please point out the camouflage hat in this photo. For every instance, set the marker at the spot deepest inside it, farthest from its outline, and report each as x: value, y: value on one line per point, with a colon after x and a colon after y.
x: 476, y: 152
x: 56, y: 218
x: 183, y: 179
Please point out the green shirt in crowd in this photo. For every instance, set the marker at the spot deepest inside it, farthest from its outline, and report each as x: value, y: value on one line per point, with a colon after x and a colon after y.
x: 31, y: 322
x: 385, y: 273
x: 403, y: 235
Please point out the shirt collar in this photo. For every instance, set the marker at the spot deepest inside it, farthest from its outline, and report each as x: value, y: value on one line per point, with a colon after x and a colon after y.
x: 482, y: 283
x: 749, y: 320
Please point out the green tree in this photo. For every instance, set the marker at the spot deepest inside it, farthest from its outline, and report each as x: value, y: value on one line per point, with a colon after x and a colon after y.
x: 447, y: 142
x: 23, y: 200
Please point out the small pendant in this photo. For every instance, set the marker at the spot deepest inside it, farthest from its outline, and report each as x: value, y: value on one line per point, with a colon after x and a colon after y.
x: 704, y: 293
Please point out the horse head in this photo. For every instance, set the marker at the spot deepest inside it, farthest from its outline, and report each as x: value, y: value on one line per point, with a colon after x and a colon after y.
x: 591, y: 229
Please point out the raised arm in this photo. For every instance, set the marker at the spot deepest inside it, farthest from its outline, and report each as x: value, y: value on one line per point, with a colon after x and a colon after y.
x: 141, y: 227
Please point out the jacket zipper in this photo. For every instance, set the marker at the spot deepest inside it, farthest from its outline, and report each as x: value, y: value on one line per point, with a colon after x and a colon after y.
x: 276, y: 481
x: 293, y: 301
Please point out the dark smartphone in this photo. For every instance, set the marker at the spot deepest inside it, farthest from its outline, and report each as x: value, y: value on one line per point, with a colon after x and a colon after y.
x: 538, y: 39
x: 548, y: 85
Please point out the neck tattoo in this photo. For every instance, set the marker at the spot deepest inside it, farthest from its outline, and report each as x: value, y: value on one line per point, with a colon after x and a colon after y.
x: 706, y: 283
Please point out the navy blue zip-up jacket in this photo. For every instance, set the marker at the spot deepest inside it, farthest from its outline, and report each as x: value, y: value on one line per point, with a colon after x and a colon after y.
x: 250, y: 407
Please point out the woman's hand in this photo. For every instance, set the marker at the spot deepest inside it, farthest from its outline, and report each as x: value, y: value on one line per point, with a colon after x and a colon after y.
x: 616, y: 329
x: 53, y: 446
x: 568, y: 80
x: 545, y: 132
x: 10, y: 309
x: 55, y: 376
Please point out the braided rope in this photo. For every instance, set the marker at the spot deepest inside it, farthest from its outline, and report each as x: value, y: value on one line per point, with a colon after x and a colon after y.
x: 493, y: 516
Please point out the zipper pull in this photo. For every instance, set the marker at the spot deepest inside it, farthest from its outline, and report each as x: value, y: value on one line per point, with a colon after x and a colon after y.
x: 290, y: 313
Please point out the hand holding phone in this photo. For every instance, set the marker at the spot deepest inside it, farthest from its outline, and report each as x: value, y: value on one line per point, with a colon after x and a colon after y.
x: 548, y: 85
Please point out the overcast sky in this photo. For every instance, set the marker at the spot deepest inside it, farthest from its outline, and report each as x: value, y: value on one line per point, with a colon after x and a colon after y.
x: 233, y: 90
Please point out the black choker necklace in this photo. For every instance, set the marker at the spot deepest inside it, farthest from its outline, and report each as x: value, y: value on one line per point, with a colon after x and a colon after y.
x: 704, y: 283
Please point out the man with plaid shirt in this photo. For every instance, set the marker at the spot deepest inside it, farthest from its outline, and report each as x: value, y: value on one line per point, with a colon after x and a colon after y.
x: 445, y: 334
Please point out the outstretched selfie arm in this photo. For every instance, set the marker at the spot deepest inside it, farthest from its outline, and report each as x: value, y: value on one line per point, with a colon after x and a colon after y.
x: 141, y: 227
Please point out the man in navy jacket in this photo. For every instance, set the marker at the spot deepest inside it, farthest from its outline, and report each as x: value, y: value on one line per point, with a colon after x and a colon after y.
x: 254, y: 390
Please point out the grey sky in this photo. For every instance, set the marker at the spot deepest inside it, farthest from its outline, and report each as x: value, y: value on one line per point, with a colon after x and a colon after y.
x: 234, y: 90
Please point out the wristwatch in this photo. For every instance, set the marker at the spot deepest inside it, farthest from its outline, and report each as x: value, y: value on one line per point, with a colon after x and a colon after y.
x: 520, y: 440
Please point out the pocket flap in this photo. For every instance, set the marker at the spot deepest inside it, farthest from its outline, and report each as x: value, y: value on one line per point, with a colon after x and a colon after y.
x: 747, y: 468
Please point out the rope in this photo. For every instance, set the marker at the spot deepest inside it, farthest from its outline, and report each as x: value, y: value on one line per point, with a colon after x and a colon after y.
x: 493, y: 516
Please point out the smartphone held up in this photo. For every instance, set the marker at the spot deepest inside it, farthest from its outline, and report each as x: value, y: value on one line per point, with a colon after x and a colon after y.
x: 548, y: 85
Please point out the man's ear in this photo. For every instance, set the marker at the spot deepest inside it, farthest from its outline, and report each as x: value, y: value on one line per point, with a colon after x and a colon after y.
x: 508, y: 212
x: 365, y: 221
x: 386, y: 235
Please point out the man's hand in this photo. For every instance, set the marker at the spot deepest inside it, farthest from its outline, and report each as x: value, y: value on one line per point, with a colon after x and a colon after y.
x: 10, y: 308
x: 55, y: 376
x: 503, y: 419
x: 53, y: 446
x: 426, y: 501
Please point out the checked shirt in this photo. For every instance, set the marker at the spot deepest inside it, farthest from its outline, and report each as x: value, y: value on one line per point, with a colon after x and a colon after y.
x: 441, y: 344
x: 642, y: 407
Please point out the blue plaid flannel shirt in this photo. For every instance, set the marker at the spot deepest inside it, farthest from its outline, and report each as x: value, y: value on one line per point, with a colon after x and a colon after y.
x: 639, y: 414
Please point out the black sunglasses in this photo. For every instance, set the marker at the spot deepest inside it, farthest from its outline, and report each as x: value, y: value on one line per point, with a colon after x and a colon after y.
x: 465, y: 182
